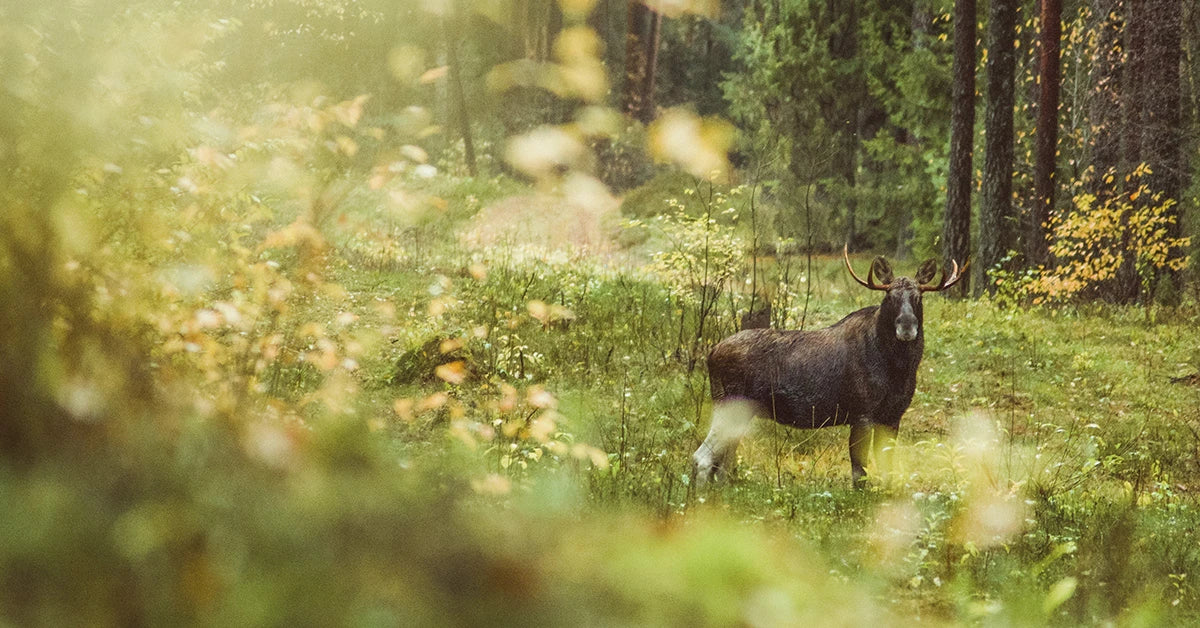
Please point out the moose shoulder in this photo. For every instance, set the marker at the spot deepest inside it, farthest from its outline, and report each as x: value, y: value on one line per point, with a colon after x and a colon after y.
x: 861, y: 371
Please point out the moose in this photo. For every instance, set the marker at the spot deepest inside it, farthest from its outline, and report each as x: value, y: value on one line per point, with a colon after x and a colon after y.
x: 860, y: 371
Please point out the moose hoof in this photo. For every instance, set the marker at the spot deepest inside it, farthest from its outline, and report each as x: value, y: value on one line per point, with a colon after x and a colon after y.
x: 704, y: 469
x: 860, y: 480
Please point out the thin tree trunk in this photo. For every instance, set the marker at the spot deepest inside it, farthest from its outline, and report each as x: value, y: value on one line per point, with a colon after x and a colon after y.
x: 1162, y: 131
x: 1133, y: 95
x: 651, y: 57
x: 956, y: 229
x: 637, y: 18
x: 520, y: 29
x: 1104, y: 100
x: 554, y: 25
x: 1044, y: 183
x: 996, y: 209
x: 846, y: 111
x: 456, y: 89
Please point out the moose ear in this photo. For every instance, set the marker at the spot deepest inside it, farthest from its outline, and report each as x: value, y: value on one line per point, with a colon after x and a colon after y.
x: 882, y: 270
x: 926, y: 272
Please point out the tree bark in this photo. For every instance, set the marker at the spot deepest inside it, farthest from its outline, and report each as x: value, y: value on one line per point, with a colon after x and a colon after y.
x: 456, y: 88
x: 1133, y: 81
x: 956, y: 228
x: 1044, y: 183
x: 996, y: 208
x: 651, y: 56
x: 1162, y: 133
x: 844, y: 110
x: 640, y: 41
x: 1104, y: 97
x: 1133, y: 86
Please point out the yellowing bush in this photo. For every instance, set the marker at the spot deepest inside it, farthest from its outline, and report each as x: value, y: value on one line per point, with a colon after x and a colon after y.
x: 1099, y: 236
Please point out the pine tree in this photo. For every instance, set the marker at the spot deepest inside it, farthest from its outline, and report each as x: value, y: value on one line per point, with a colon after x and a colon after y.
x: 1049, y: 80
x: 996, y: 208
x: 956, y: 229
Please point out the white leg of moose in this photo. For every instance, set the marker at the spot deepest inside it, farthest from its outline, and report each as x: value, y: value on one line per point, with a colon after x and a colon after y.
x: 717, y: 455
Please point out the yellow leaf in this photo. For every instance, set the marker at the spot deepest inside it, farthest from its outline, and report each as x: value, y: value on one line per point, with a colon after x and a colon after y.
x: 453, y: 372
x: 434, y: 74
x: 432, y: 402
x: 493, y: 484
x: 540, y: 398
x: 699, y: 145
x: 403, y: 409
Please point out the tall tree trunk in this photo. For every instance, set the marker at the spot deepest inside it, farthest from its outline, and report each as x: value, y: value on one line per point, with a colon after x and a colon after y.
x: 995, y: 204
x: 1162, y: 132
x: 651, y: 56
x: 450, y: 34
x: 554, y: 26
x: 639, y: 42
x: 1104, y: 96
x: 601, y: 21
x: 956, y: 229
x: 1133, y: 83
x: 1049, y: 79
x: 1133, y: 96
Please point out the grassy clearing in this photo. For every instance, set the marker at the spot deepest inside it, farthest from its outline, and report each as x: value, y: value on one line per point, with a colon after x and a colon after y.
x: 1048, y: 465
x: 513, y: 425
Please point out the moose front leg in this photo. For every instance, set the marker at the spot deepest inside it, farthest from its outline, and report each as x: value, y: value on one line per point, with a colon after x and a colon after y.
x: 884, y: 439
x: 867, y: 439
x: 860, y: 449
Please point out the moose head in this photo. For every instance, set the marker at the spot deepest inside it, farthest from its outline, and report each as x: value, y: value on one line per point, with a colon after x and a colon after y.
x: 902, y: 303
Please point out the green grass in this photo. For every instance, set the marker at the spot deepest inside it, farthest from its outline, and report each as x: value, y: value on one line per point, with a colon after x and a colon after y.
x: 431, y: 434
x: 1047, y: 466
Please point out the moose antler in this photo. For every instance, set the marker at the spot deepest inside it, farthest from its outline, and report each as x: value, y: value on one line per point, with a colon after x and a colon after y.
x: 947, y: 281
x: 870, y: 282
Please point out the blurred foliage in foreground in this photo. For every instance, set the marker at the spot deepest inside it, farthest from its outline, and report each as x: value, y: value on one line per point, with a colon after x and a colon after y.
x: 183, y: 429
x: 251, y: 374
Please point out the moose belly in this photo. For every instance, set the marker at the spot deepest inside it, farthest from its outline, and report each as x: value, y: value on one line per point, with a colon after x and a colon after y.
x: 803, y: 413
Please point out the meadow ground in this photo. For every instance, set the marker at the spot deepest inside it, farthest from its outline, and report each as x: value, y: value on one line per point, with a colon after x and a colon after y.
x: 1048, y: 465
x: 249, y: 412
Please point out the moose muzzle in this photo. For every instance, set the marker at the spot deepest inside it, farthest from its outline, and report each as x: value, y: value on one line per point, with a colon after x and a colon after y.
x: 907, y: 325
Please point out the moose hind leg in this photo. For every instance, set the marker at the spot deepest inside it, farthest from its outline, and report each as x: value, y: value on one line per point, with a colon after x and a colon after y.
x: 717, y: 455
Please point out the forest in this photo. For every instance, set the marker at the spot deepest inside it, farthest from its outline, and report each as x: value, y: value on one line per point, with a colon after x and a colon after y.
x: 375, y: 313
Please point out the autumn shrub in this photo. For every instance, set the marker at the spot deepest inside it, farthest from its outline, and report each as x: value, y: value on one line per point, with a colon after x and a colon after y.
x: 1106, y: 244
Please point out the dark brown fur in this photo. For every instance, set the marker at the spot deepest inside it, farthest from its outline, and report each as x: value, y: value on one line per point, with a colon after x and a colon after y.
x: 820, y: 378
